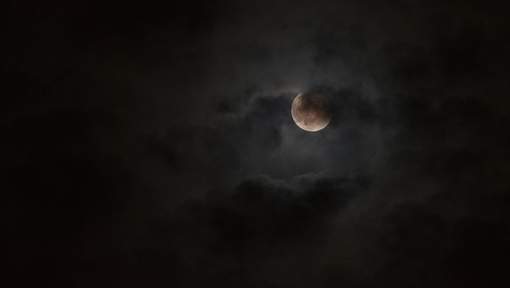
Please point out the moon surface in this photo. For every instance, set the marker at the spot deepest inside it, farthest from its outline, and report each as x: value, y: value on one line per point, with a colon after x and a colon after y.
x: 310, y: 112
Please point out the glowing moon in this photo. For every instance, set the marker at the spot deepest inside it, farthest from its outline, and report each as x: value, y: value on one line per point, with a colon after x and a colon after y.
x: 310, y: 112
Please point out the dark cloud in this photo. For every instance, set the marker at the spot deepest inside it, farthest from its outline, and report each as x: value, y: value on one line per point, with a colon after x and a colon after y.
x: 242, y: 235
x: 153, y: 146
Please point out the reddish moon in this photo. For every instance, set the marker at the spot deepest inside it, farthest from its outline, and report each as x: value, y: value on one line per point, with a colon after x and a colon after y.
x: 310, y: 112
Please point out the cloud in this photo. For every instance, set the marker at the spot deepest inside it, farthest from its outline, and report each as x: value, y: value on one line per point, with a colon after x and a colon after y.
x: 278, y: 207
x: 245, y: 231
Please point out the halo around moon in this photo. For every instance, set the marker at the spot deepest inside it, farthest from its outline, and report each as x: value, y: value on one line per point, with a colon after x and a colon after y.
x: 310, y: 112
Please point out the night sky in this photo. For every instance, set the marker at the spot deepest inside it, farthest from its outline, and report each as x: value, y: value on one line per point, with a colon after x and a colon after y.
x: 153, y: 146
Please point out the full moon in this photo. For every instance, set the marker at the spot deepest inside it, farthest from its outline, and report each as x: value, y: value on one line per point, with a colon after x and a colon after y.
x: 310, y: 112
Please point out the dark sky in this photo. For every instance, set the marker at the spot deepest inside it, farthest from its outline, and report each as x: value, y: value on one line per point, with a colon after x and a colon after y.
x: 152, y: 146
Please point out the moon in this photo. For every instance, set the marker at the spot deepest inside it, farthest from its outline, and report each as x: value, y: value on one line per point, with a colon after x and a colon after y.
x: 310, y: 111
